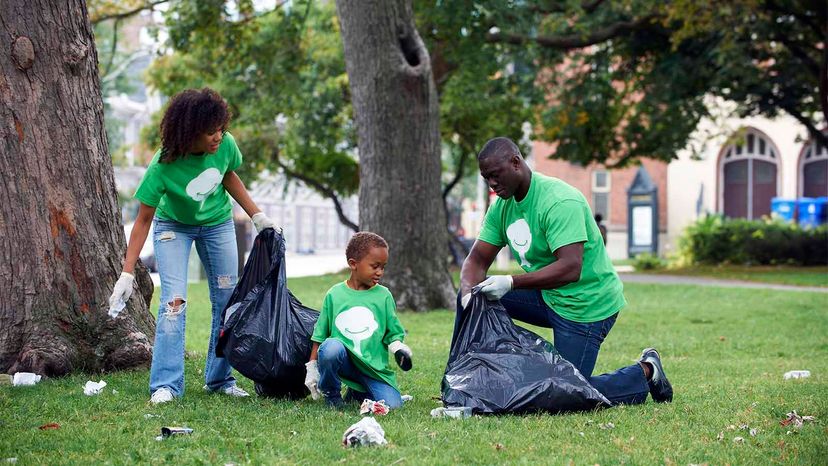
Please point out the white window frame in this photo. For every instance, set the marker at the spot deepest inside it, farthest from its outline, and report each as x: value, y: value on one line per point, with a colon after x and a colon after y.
x: 602, y: 190
x: 729, y: 154
x: 817, y: 153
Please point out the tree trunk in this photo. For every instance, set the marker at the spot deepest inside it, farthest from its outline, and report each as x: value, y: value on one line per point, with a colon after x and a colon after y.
x: 60, y: 227
x: 395, y: 104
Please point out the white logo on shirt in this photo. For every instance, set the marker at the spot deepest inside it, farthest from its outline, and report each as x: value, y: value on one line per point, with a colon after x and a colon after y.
x: 357, y: 324
x: 204, y: 184
x: 521, y: 239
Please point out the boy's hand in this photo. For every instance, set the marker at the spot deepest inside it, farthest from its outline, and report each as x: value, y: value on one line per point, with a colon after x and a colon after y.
x: 312, y: 378
x: 402, y: 353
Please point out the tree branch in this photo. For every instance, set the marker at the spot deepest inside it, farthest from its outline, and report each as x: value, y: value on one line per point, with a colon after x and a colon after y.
x: 815, y: 133
x: 575, y: 40
x: 315, y: 184
x: 128, y: 13
x: 114, y: 47
x: 588, y: 7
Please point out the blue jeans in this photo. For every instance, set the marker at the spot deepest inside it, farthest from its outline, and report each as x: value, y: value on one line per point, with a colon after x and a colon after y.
x: 216, y: 246
x: 577, y: 342
x: 334, y: 362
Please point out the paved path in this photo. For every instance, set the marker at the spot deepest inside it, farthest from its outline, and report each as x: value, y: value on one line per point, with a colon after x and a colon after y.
x: 704, y: 281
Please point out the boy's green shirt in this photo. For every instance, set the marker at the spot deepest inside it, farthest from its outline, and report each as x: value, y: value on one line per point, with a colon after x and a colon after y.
x: 190, y: 190
x: 366, y: 323
x: 554, y: 214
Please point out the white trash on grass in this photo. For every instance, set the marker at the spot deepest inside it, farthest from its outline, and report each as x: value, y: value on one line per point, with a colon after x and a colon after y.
x: 365, y: 432
x: 22, y: 379
x: 93, y: 388
x: 796, y: 375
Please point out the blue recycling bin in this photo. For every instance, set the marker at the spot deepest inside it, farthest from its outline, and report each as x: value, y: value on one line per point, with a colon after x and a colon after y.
x: 784, y: 208
x: 811, y: 211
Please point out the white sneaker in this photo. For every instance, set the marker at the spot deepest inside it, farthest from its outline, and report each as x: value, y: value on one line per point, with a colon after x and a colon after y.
x: 234, y: 390
x: 162, y: 395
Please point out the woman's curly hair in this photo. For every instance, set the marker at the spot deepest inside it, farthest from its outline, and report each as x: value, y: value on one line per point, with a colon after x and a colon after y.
x: 190, y: 114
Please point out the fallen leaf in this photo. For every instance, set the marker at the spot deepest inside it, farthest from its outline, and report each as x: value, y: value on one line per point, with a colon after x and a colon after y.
x: 498, y: 446
x: 738, y: 440
x: 720, y: 437
x: 50, y: 426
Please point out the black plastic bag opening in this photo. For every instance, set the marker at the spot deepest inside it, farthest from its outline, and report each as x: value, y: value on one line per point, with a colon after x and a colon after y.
x: 496, y: 367
x: 265, y: 333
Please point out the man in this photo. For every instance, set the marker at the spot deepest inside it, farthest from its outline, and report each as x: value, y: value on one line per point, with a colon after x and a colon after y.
x: 570, y: 284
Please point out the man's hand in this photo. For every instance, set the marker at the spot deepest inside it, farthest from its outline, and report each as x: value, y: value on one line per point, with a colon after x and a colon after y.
x: 496, y: 286
x: 402, y: 354
x: 312, y: 378
x: 120, y: 294
x: 262, y: 221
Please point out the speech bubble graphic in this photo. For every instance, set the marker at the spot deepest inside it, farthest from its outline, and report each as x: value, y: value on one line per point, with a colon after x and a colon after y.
x: 204, y: 184
x: 521, y: 239
x: 357, y: 324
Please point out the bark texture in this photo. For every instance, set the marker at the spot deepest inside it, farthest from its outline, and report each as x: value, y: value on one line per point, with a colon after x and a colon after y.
x: 397, y: 117
x: 61, y: 237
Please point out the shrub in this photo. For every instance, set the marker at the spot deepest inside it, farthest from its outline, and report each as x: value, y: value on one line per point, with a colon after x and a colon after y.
x: 647, y: 261
x: 716, y: 240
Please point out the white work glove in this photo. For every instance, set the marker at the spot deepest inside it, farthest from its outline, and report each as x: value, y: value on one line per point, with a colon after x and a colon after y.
x: 262, y: 221
x: 464, y: 301
x: 496, y: 286
x: 402, y: 353
x: 312, y: 378
x: 120, y: 294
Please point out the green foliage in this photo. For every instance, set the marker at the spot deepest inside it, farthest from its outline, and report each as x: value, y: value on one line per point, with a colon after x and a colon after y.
x: 647, y: 261
x: 283, y: 74
x: 715, y: 240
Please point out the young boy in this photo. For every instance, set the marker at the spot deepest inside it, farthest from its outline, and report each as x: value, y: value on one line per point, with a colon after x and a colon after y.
x: 357, y: 327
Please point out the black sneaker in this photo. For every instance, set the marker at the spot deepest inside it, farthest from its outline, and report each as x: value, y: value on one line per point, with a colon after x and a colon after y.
x: 403, y: 360
x: 335, y: 403
x: 660, y: 388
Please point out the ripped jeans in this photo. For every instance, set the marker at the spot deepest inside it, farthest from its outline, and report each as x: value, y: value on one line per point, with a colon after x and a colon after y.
x: 216, y: 247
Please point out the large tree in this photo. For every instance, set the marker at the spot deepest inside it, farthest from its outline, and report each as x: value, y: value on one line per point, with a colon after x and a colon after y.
x: 61, y: 238
x: 397, y: 119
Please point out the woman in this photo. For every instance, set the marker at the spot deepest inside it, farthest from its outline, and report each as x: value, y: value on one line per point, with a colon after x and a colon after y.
x: 186, y: 191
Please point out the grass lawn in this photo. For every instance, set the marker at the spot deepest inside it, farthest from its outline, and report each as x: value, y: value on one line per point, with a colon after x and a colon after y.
x: 786, y: 275
x: 725, y: 351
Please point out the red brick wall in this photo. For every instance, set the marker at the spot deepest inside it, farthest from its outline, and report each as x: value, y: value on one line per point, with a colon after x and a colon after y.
x: 620, y: 180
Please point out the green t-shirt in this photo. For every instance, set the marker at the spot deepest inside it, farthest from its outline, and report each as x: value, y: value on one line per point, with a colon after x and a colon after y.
x: 189, y: 190
x: 366, y: 323
x: 555, y: 214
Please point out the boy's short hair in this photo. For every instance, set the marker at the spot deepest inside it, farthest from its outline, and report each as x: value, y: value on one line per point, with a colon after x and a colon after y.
x: 361, y: 243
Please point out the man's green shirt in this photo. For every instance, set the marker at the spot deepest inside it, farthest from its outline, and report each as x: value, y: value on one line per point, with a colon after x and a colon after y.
x: 554, y: 214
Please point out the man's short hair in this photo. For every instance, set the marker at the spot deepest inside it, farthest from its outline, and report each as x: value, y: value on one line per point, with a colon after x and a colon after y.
x: 498, y: 146
x: 361, y: 243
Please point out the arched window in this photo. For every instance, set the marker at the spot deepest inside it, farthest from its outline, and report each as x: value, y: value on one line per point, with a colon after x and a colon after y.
x: 748, y: 176
x: 813, y: 171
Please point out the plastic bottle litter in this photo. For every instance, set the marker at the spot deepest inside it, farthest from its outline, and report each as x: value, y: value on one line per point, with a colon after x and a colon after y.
x: 377, y: 408
x: 93, y: 388
x: 797, y: 375
x: 458, y: 412
x: 25, y: 378
x: 117, y: 308
x: 366, y: 432
x: 173, y: 431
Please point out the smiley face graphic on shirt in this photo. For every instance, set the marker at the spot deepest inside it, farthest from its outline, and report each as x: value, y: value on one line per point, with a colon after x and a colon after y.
x: 520, y: 237
x: 356, y: 324
x: 204, y: 184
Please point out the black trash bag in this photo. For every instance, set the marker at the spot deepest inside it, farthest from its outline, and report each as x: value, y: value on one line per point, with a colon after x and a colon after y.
x: 496, y: 367
x: 265, y: 333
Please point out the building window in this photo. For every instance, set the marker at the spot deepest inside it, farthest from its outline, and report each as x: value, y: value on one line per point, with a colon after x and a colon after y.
x: 601, y: 193
x: 748, y: 176
x: 813, y: 169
